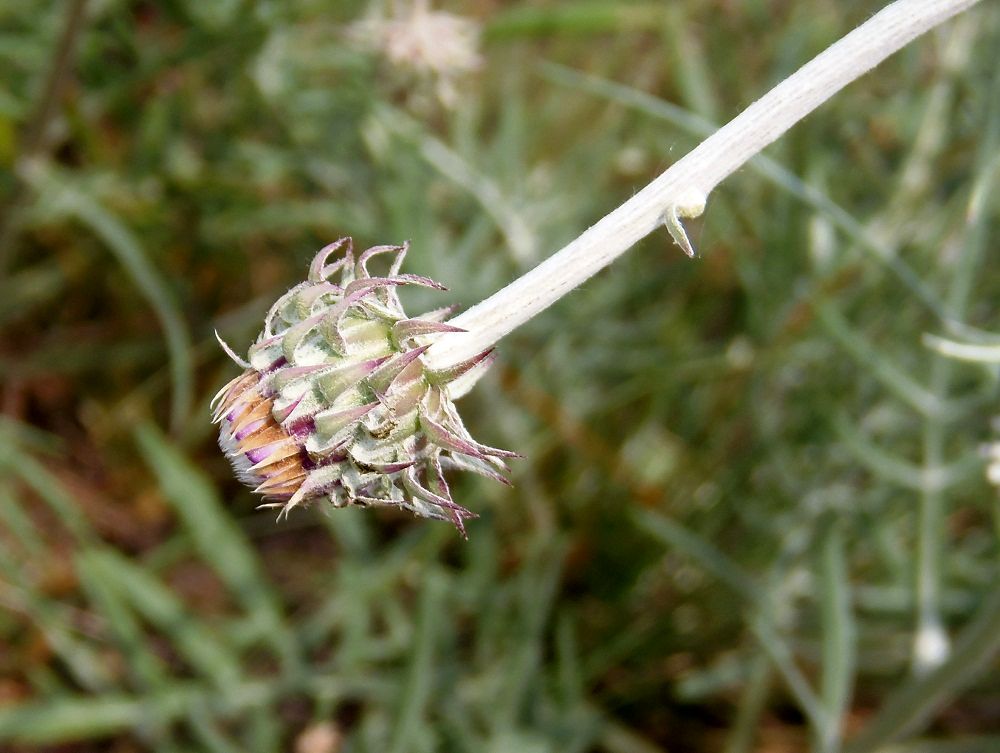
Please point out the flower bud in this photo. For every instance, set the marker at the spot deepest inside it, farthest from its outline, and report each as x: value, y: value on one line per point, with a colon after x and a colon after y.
x: 335, y: 401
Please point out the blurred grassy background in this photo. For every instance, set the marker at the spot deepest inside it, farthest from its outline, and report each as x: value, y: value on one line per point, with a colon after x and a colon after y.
x: 754, y: 513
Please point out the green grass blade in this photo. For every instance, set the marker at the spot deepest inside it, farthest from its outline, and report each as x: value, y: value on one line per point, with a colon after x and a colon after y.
x: 416, y: 690
x: 34, y: 288
x: 752, y: 704
x: 207, y: 732
x: 838, y: 642
x: 54, y: 622
x: 127, y: 249
x: 534, y: 598
x: 37, y: 478
x: 717, y: 563
x: 913, y: 705
x: 569, y: 673
x: 509, y: 220
x: 147, y: 668
x: 895, y: 380
x: 76, y: 718
x: 708, y: 556
x: 216, y: 537
x: 70, y: 720
x: 205, y: 652
x: 901, y: 472
x: 798, y: 685
x: 14, y: 519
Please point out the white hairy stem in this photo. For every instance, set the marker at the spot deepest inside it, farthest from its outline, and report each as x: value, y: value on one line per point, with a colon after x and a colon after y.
x: 682, y: 190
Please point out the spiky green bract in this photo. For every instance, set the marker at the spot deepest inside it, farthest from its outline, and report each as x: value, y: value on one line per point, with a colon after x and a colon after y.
x: 336, y: 403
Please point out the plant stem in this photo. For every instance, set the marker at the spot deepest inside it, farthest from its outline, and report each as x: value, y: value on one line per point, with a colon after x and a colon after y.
x: 931, y: 640
x: 682, y: 190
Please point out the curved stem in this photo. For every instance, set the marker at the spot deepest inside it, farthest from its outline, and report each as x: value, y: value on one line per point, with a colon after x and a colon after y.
x: 681, y: 191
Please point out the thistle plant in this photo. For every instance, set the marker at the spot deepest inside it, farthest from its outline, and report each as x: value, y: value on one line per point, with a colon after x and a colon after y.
x: 345, y: 397
x: 336, y: 403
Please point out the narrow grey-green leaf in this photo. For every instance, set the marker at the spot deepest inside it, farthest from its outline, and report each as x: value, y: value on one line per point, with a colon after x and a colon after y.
x: 838, y: 642
x: 151, y: 598
x: 914, y: 704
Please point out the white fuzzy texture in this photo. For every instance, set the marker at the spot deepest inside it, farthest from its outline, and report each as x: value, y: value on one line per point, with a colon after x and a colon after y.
x: 433, y: 43
x: 686, y: 185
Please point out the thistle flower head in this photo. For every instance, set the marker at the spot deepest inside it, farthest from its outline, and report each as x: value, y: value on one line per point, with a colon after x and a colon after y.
x: 336, y: 403
x: 435, y: 45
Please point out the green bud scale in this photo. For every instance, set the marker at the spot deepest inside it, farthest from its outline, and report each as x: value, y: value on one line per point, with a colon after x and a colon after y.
x: 336, y: 403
